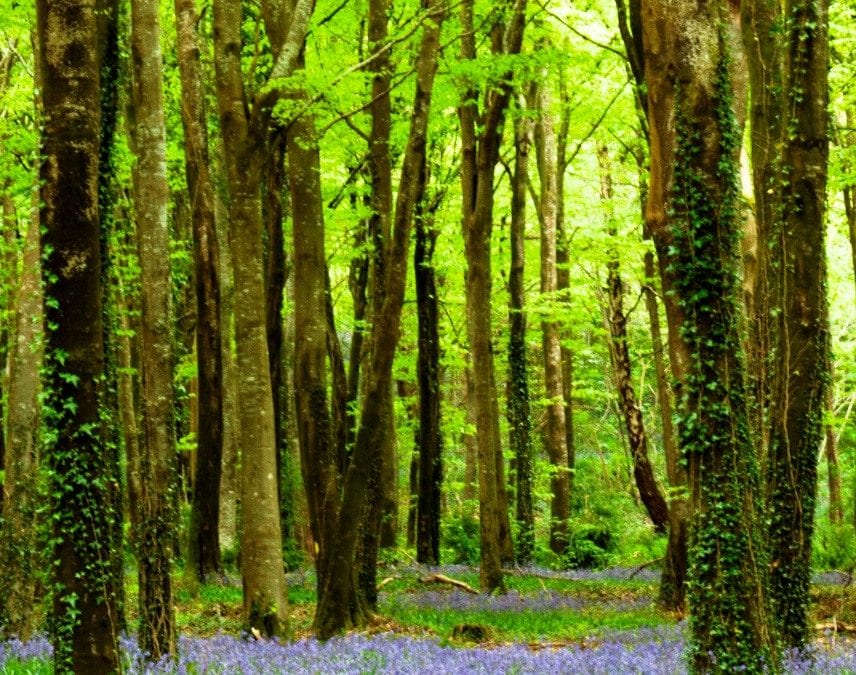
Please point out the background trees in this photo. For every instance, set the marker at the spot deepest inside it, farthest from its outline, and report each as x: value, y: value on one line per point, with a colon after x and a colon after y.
x: 323, y: 165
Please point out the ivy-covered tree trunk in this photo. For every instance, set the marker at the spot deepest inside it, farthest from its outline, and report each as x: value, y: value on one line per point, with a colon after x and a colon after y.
x: 84, y: 622
x: 519, y: 414
x: 800, y: 359
x: 203, y: 551
x: 19, y: 550
x: 155, y: 528
x: 555, y: 435
x: 693, y: 213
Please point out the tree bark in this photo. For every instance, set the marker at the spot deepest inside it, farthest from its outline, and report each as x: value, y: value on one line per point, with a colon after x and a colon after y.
x: 155, y: 529
x: 480, y: 156
x: 81, y: 510
x: 692, y: 213
x: 799, y: 374
x: 19, y: 549
x: 643, y: 473
x: 519, y: 414
x: 430, y: 440
x: 245, y: 132
x: 555, y: 433
x: 203, y: 554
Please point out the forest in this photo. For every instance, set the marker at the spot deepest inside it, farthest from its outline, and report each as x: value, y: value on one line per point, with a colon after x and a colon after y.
x: 448, y: 336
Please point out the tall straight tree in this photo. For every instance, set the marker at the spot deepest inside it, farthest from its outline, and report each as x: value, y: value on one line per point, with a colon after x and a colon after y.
x: 693, y: 212
x: 480, y: 157
x: 203, y: 551
x: 84, y: 623
x: 245, y: 117
x: 519, y: 413
x: 19, y: 550
x: 800, y: 368
x: 156, y: 520
x: 556, y: 432
x: 429, y: 436
x: 335, y: 610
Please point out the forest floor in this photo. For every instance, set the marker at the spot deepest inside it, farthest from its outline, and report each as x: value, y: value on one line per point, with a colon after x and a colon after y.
x: 431, y: 621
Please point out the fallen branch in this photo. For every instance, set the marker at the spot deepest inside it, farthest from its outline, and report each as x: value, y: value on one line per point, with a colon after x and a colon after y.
x: 443, y: 579
x: 643, y: 566
x: 386, y: 581
x: 836, y: 627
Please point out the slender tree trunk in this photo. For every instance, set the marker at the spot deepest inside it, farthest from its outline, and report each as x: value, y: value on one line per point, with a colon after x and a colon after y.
x: 519, y: 415
x: 430, y: 440
x: 555, y: 433
x: 85, y: 633
x: 480, y: 156
x: 203, y: 554
x: 333, y: 602
x: 19, y: 549
x: 800, y: 369
x: 643, y: 473
x: 849, y: 193
x: 693, y: 215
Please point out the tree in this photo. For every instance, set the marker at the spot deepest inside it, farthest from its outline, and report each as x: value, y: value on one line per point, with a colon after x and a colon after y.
x: 245, y: 117
x: 203, y: 549
x: 556, y: 433
x: 800, y: 368
x: 693, y: 214
x: 84, y: 626
x: 429, y: 436
x: 643, y: 473
x: 336, y: 609
x: 519, y: 415
x: 156, y: 520
x: 480, y: 156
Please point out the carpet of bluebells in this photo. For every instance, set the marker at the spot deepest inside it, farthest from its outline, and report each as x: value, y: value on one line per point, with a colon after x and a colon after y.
x: 651, y: 650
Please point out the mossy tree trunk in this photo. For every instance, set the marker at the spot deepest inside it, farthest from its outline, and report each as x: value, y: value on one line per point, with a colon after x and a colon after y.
x: 157, y: 517
x: 85, y: 616
x: 245, y: 123
x: 691, y: 59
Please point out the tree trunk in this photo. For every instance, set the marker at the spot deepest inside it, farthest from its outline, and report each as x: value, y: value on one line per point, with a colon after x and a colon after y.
x: 157, y: 518
x: 519, y: 415
x: 833, y: 469
x: 333, y: 602
x: 480, y: 156
x: 849, y: 193
x: 430, y: 440
x: 643, y: 473
x: 800, y: 368
x: 555, y: 433
x: 20, y: 554
x: 85, y: 615
x: 203, y: 554
x: 244, y: 136
x: 693, y: 215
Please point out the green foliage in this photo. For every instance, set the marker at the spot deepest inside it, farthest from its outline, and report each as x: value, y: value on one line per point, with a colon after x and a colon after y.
x: 460, y: 540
